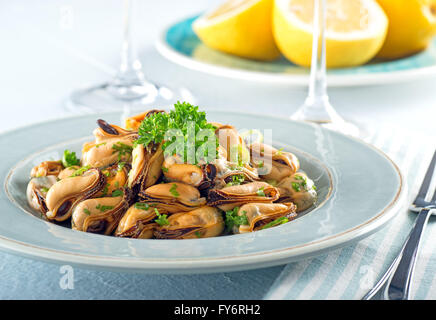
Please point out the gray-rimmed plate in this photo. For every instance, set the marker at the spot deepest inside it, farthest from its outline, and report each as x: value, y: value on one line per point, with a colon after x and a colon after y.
x: 360, y: 190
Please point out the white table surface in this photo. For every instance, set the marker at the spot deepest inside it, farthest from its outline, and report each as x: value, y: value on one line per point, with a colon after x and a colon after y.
x: 41, y: 62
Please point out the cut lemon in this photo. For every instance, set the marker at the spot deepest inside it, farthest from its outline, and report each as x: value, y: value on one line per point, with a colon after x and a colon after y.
x: 240, y: 27
x: 355, y: 31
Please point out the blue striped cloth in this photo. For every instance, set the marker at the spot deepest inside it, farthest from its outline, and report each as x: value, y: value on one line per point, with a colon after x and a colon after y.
x: 348, y: 273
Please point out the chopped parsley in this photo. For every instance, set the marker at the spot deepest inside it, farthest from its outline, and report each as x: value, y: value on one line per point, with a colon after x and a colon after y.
x: 260, y: 192
x: 260, y: 164
x: 164, y: 169
x: 117, y: 193
x: 161, y: 219
x: 103, y: 208
x: 142, y: 206
x: 80, y: 171
x: 301, y: 183
x: 173, y: 190
x: 276, y: 222
x: 121, y: 165
x: 87, y: 211
x: 44, y: 189
x: 237, y: 179
x: 235, y: 220
x: 100, y: 144
x: 279, y: 152
x: 197, y: 234
x: 122, y: 149
x: 69, y: 159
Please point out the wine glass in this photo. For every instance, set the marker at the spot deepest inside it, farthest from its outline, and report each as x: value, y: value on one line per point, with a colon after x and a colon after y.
x: 129, y: 87
x: 317, y: 108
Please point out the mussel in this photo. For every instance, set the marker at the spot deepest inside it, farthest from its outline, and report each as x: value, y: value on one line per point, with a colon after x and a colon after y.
x: 47, y: 168
x: 100, y: 215
x: 263, y: 215
x: 273, y: 164
x: 112, y: 144
x: 36, y: 193
x: 65, y: 194
x: 229, y: 197
x: 137, y: 222
x: 200, y: 176
x: 173, y: 197
x: 146, y: 166
x: 133, y: 123
x: 299, y: 189
x: 68, y: 172
x: 116, y: 178
x: 203, y: 222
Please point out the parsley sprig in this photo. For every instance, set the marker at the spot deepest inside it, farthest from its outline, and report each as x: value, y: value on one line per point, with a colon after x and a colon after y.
x: 161, y: 219
x: 235, y: 220
x: 186, y: 118
x: 70, y: 159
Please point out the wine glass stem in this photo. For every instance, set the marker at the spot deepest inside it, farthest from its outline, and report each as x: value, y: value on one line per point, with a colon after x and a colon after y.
x: 318, y: 82
x: 130, y: 71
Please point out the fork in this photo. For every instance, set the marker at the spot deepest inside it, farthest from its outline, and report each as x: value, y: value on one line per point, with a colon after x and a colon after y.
x: 400, y: 273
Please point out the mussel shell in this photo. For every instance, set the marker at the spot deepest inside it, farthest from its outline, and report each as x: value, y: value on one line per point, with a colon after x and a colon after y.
x: 146, y: 167
x: 100, y: 215
x: 65, y: 194
x: 203, y: 222
x: 138, y: 223
x: 173, y: 196
x: 260, y: 214
x: 230, y: 197
x: 47, y: 168
x: 36, y: 192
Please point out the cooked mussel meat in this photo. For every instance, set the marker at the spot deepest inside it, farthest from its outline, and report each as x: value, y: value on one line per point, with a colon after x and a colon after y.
x: 173, y: 197
x: 273, y: 164
x: 137, y: 222
x: 100, y: 215
x: 299, y: 189
x: 203, y: 222
x: 229, y: 197
x: 65, y: 194
x: 47, y: 168
x: 263, y: 215
x: 36, y: 192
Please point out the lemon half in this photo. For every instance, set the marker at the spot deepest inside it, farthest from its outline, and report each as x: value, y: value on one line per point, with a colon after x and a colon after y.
x: 355, y: 31
x: 240, y: 27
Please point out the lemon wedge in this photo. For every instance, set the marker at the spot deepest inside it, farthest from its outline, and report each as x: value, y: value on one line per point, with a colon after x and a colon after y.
x: 355, y: 31
x: 240, y: 27
x: 412, y: 25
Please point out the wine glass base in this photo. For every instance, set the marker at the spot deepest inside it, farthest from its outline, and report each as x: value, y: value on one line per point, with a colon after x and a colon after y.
x: 109, y: 97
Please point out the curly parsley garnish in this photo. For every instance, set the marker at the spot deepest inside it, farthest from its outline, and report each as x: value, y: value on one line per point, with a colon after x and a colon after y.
x: 117, y: 193
x: 185, y: 119
x: 235, y: 220
x: 161, y: 219
x: 69, y: 159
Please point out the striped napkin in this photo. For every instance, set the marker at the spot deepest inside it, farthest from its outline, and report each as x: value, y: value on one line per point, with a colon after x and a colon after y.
x: 348, y: 273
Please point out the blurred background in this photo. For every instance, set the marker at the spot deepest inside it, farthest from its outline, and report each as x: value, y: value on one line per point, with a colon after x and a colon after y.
x: 51, y: 48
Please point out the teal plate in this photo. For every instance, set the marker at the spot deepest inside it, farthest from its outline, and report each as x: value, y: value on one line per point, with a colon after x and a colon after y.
x: 352, y: 204
x: 180, y: 44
